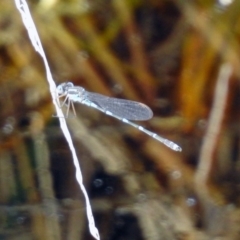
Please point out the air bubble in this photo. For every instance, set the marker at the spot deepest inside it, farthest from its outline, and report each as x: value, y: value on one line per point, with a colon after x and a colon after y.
x: 7, y: 129
x: 109, y: 190
x: 191, y: 202
x: 176, y: 174
x: 98, y: 183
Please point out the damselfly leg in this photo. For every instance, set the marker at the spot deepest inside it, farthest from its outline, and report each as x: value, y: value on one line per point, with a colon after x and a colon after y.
x: 66, y: 102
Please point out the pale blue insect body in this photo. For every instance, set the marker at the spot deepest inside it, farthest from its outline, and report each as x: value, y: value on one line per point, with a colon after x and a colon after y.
x: 122, y: 109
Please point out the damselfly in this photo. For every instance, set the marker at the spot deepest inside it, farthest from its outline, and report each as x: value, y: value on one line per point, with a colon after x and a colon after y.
x: 123, y: 110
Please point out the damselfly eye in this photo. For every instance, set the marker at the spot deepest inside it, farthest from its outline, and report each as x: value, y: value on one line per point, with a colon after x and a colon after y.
x: 60, y: 90
x: 69, y: 84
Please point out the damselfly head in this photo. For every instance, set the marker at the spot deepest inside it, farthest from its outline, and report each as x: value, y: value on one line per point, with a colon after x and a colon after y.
x: 62, y: 88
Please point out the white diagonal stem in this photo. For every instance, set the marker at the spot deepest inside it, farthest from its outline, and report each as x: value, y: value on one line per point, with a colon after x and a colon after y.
x: 33, y: 35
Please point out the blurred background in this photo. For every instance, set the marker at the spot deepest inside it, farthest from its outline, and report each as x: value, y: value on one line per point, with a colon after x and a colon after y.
x: 181, y: 58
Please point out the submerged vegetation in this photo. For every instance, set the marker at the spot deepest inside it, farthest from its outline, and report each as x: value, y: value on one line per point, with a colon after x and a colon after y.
x: 181, y: 58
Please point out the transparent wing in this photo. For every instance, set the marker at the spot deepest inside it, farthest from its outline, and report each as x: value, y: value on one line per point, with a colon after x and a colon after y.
x: 120, y: 107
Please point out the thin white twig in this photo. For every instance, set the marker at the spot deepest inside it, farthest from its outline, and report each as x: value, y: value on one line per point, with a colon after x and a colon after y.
x: 215, y: 120
x: 33, y: 35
